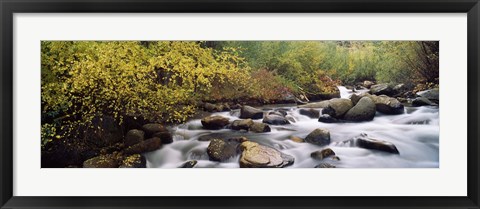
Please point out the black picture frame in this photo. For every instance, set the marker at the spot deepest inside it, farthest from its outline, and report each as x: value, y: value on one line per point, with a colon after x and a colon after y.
x: 9, y: 7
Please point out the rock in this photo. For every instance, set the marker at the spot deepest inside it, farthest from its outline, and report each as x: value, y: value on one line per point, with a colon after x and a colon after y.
x: 364, y: 141
x: 431, y: 94
x: 220, y: 135
x: 336, y: 158
x: 356, y: 97
x: 166, y: 137
x: 290, y: 118
x: 189, y: 164
x: 325, y: 165
x: 214, y: 122
x: 337, y: 107
x: 209, y: 107
x: 134, y: 161
x: 152, y: 128
x: 388, y: 105
x: 399, y: 88
x: 134, y: 136
x: 297, y: 139
x: 106, y: 131
x: 281, y: 113
x: 312, y: 113
x: 222, y: 150
x: 275, y: 120
x: 322, y: 154
x: 326, y: 118
x: 364, y: 110
x: 241, y: 124
x: 102, y: 161
x: 145, y: 146
x: 368, y: 84
x: 255, y: 155
x: 380, y: 89
x: 421, y: 101
x: 259, y: 128
x: 319, y: 137
x: 250, y: 112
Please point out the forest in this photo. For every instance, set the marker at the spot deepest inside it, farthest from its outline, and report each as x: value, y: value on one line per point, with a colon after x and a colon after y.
x: 94, y: 92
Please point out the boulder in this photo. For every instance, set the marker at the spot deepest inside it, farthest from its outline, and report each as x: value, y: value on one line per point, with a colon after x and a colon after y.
x: 319, y: 137
x: 222, y: 150
x: 388, y: 105
x: 103, y: 161
x: 368, y: 84
x: 325, y: 165
x: 255, y: 155
x: 380, y: 89
x: 209, y: 107
x: 152, y: 128
x: 189, y: 164
x: 399, y: 88
x: 326, y: 118
x: 337, y: 107
x: 356, y: 97
x: 214, y: 122
x: 366, y: 142
x: 250, y: 112
x: 259, y: 128
x: 421, y: 101
x: 312, y: 113
x: 364, y: 110
x: 241, y: 124
x: 275, y: 120
x: 322, y: 154
x: 290, y: 118
x: 145, y: 146
x: 134, y: 161
x: 134, y: 136
x: 431, y: 94
x: 166, y: 137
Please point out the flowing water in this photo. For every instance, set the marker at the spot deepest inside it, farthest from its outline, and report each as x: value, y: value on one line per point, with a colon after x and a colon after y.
x: 415, y: 134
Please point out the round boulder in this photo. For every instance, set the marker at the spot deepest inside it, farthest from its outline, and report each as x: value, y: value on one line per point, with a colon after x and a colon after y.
x: 380, y: 89
x: 214, y: 122
x: 319, y: 137
x: 134, y: 136
x: 275, y: 120
x: 312, y: 113
x: 241, y: 124
x: 259, y: 128
x: 322, y: 154
x: 222, y: 150
x: 152, y: 128
x: 250, y: 112
x: 364, y: 110
x: 255, y: 155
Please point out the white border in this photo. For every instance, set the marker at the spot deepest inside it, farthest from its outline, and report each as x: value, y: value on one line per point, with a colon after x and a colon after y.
x: 448, y: 180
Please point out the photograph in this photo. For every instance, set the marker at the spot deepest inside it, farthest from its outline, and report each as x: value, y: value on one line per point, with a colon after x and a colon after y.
x: 240, y: 104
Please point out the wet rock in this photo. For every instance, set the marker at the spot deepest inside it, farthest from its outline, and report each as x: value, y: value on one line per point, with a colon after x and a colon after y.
x: 399, y: 88
x: 321, y: 104
x: 356, y: 97
x: 388, y: 105
x: 380, y: 89
x: 364, y: 110
x: 325, y: 165
x: 145, y: 146
x: 222, y: 150
x: 336, y: 158
x: 431, y: 94
x: 275, y: 120
x: 326, y: 118
x: 322, y: 154
x: 250, y: 112
x: 368, y: 84
x: 189, y: 164
x: 134, y: 161
x: 421, y: 101
x: 214, y: 122
x: 290, y: 118
x: 166, y: 137
x: 102, y: 161
x: 260, y: 128
x: 255, y: 155
x: 312, y: 113
x: 297, y: 139
x: 337, y: 107
x: 152, y: 128
x: 241, y: 124
x: 280, y: 113
x: 319, y: 137
x: 366, y: 142
x: 134, y: 136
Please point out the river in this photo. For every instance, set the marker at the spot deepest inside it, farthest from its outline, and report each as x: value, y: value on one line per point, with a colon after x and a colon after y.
x: 415, y: 133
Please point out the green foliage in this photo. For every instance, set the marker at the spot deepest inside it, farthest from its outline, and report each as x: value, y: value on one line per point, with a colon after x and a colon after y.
x: 160, y: 82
